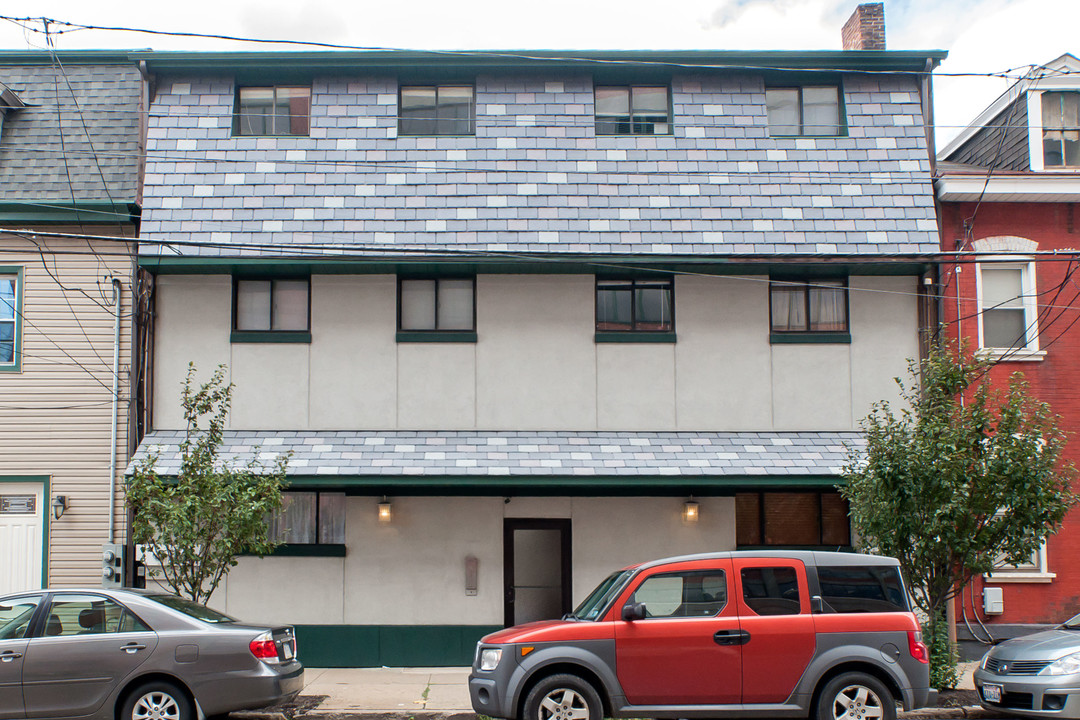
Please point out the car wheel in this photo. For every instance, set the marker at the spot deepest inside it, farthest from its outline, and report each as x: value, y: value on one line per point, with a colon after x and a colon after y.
x: 157, y: 701
x: 856, y: 696
x: 563, y: 697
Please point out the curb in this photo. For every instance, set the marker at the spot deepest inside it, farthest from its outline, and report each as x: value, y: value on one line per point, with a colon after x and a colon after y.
x: 967, y: 711
x: 972, y: 712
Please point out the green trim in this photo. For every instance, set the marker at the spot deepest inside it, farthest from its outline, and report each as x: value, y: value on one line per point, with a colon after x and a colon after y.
x: 270, y: 336
x: 303, y: 550
x: 17, y: 354
x: 389, y: 645
x: 68, y: 57
x: 46, y: 512
x: 436, y: 336
x: 97, y: 213
x: 631, y: 336
x: 810, y: 338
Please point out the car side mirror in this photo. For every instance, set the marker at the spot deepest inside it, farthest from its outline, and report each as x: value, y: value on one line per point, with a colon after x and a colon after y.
x: 633, y: 611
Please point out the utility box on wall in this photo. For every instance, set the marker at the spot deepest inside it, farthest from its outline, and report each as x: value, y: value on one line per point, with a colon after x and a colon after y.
x: 993, y: 600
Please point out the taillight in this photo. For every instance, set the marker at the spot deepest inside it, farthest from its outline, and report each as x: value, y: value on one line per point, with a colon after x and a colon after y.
x: 263, y: 647
x: 917, y: 647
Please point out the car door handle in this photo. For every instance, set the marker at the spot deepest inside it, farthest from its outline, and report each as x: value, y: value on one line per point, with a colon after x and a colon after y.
x: 731, y: 637
x: 9, y: 655
x: 132, y: 648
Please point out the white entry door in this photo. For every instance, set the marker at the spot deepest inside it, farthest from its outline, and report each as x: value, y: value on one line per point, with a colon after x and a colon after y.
x: 22, y: 523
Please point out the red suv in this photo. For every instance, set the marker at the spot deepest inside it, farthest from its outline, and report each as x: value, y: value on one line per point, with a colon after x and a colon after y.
x: 763, y: 634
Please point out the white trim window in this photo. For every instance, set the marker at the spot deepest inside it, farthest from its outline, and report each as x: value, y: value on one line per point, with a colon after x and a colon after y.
x: 1035, y: 569
x: 1008, y: 311
x: 1061, y: 129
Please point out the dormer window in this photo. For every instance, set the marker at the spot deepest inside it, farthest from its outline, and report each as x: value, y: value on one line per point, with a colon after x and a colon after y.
x: 1061, y: 129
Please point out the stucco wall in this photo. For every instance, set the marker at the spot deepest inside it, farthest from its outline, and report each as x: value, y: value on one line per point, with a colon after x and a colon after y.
x: 535, y: 364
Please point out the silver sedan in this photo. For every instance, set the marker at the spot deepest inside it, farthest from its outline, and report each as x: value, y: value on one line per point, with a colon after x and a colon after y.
x: 136, y: 655
x: 1035, y: 675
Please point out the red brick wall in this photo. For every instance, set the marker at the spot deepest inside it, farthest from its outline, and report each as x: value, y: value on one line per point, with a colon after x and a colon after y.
x: 865, y: 29
x: 1056, y: 379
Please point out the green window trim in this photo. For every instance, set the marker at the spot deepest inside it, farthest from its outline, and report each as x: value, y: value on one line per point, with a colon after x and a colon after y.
x: 810, y: 338
x: 306, y: 550
x: 810, y: 81
x: 17, y: 318
x: 436, y: 336
x: 270, y: 336
x: 632, y: 336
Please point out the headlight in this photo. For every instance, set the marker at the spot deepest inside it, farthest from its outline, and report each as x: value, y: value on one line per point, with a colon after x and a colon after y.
x: 489, y: 658
x: 1068, y: 665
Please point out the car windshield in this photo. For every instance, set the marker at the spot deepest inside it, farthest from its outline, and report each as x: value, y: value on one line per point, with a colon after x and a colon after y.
x: 1072, y: 623
x: 191, y: 609
x: 602, y: 596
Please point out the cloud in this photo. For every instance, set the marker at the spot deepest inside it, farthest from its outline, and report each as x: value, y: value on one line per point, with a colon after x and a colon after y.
x: 315, y: 21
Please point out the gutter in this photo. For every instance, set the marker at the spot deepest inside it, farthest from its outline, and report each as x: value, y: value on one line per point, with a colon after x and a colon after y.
x: 117, y: 287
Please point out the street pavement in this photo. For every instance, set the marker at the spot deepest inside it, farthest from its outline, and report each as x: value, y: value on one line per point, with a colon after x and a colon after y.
x: 443, y: 694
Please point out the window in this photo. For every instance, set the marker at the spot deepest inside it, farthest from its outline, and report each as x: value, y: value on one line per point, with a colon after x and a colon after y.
x: 437, y: 308
x: 275, y: 309
x: 71, y: 614
x: 272, y: 111
x: 771, y: 590
x: 632, y: 110
x: 436, y: 110
x: 16, y: 615
x: 9, y: 320
x: 805, y: 110
x: 635, y: 306
x: 792, y: 519
x: 1032, y: 569
x: 309, y: 518
x: 689, y: 594
x: 1061, y: 129
x: 858, y: 588
x: 809, y: 307
x: 1007, y: 310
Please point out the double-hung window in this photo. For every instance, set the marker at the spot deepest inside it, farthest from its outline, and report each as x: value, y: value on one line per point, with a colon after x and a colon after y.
x: 632, y: 110
x: 808, y: 311
x: 804, y: 110
x: 271, y: 310
x: 272, y: 111
x: 1007, y: 307
x: 635, y: 309
x: 9, y: 320
x: 309, y: 518
x: 436, y: 110
x: 1061, y: 129
x: 433, y: 309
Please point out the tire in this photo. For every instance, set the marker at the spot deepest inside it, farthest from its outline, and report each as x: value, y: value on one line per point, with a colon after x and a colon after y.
x: 855, y: 696
x: 157, y: 701
x: 562, y: 697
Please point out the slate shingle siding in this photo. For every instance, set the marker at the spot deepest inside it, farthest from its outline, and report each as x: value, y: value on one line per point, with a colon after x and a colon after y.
x: 102, y: 158
x: 987, y: 148
x: 536, y: 178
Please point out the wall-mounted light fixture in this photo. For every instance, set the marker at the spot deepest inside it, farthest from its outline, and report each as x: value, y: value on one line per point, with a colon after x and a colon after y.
x: 59, y: 505
x: 690, y: 512
x: 386, y: 511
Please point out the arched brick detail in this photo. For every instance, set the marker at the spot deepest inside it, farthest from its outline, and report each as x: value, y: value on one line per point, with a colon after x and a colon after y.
x: 1006, y: 243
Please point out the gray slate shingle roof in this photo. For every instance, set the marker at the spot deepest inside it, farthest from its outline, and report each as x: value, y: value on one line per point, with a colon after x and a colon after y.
x: 525, y: 453
x: 32, y: 157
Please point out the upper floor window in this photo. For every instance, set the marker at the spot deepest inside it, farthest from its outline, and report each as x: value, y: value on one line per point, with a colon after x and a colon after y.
x: 427, y: 307
x: 1061, y: 129
x: 273, y: 111
x: 9, y: 320
x: 436, y: 110
x: 808, y: 307
x: 278, y: 305
x: 804, y: 110
x: 1007, y: 309
x: 632, y: 110
x: 635, y: 305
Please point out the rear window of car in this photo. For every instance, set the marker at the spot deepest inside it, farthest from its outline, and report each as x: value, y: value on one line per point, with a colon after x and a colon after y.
x: 862, y: 589
x: 191, y: 609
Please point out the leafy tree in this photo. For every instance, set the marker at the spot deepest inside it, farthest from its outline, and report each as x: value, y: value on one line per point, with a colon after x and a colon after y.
x: 966, y: 477
x: 197, y: 523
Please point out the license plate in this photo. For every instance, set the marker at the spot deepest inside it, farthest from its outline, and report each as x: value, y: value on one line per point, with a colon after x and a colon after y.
x: 991, y: 693
x: 287, y: 651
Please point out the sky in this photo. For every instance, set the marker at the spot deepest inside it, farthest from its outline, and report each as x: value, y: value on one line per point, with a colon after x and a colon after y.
x: 982, y: 36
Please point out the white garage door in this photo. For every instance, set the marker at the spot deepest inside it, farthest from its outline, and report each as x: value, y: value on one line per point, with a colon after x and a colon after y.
x: 21, y: 528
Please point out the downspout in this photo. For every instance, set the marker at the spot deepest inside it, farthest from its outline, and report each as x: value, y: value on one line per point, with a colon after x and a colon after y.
x: 117, y: 286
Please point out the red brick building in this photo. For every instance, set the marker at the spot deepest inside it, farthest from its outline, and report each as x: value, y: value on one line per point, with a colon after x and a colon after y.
x: 1009, y: 186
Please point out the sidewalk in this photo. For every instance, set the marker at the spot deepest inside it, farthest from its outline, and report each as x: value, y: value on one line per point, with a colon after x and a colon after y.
x: 443, y: 694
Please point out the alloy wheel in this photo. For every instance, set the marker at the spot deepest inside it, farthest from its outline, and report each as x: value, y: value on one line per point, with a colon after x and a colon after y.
x: 156, y: 706
x: 857, y: 702
x: 564, y: 704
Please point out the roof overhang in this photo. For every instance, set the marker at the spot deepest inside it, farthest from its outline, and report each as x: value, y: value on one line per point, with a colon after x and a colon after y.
x: 1033, y: 187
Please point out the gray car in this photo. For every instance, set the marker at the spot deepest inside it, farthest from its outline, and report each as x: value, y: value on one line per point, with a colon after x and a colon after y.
x: 1036, y: 675
x: 100, y: 654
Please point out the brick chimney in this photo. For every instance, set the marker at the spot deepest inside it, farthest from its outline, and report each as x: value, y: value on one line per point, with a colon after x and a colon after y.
x: 865, y: 29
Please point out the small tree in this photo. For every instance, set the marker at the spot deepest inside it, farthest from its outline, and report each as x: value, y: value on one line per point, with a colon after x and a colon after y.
x: 965, y: 478
x: 199, y: 521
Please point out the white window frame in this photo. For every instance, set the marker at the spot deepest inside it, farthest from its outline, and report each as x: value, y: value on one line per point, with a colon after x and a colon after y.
x: 1040, y: 573
x: 1026, y: 265
x: 1064, y: 83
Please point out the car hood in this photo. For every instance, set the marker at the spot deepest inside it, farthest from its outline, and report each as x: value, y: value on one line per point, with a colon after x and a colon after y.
x: 1046, y: 645
x: 524, y: 633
